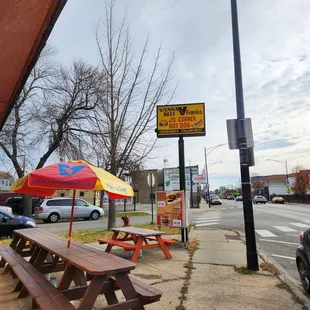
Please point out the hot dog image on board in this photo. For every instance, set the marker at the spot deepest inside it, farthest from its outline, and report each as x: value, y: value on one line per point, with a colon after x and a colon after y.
x: 169, y: 212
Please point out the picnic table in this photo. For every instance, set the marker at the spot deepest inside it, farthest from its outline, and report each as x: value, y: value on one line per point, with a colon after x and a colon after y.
x: 141, y: 240
x: 92, y: 271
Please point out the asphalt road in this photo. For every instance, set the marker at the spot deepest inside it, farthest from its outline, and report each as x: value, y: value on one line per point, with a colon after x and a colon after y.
x: 277, y: 227
x: 102, y: 223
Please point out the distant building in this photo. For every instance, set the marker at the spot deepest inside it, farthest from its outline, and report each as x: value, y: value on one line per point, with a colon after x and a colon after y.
x: 141, y: 189
x: 275, y: 185
x: 6, y: 181
x: 91, y: 197
x: 166, y: 179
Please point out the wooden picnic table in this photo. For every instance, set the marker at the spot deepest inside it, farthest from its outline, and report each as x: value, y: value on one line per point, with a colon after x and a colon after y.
x: 141, y: 240
x: 93, y: 271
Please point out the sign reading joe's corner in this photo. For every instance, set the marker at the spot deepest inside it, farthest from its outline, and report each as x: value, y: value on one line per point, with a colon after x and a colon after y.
x: 181, y: 120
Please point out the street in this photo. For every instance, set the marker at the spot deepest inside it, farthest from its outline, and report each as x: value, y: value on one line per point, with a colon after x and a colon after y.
x: 277, y: 227
x: 102, y: 223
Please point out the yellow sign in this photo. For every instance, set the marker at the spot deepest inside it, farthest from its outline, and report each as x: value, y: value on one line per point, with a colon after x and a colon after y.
x: 181, y: 120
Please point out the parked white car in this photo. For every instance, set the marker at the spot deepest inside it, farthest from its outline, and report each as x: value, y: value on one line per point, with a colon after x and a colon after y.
x: 259, y: 199
x: 53, y: 209
x: 6, y: 209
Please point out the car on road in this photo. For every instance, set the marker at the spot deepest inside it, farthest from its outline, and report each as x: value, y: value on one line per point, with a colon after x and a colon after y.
x: 259, y: 199
x: 6, y: 209
x: 9, y: 222
x: 230, y: 197
x: 53, y: 209
x: 278, y: 200
x: 17, y: 204
x: 215, y: 200
x: 239, y: 198
x: 302, y: 259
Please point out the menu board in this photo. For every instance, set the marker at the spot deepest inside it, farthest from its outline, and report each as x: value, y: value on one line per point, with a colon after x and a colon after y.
x: 170, y: 209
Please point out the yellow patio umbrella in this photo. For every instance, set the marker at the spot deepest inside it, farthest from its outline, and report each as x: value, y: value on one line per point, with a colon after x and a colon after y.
x: 76, y: 175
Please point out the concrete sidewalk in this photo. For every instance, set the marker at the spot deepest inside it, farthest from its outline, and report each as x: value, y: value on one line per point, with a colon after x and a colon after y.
x: 216, y: 283
x: 211, y: 275
x: 206, y: 275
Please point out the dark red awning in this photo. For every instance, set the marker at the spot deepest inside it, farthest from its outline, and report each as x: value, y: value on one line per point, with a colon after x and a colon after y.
x: 25, y: 26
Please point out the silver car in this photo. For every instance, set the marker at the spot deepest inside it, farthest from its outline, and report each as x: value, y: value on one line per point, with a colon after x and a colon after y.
x: 259, y: 199
x: 53, y: 209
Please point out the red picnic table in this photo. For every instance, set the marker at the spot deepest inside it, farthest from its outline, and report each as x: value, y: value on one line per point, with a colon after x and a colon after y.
x: 142, y: 239
x: 93, y: 272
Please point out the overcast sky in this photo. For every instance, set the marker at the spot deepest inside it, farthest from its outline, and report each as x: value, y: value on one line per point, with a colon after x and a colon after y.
x: 275, y: 46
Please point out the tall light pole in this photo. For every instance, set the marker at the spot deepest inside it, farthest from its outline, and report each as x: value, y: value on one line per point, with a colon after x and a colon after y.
x: 244, y: 151
x: 284, y: 163
x: 207, y: 152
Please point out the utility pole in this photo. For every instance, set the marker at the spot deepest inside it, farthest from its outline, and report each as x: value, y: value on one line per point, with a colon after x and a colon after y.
x: 182, y: 180
x: 252, y: 257
x: 207, y: 173
x: 210, y: 149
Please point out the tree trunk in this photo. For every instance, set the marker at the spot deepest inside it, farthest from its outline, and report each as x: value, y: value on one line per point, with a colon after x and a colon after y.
x: 111, y: 221
x: 27, y: 205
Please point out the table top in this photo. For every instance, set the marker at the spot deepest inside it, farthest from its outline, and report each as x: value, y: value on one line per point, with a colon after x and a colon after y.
x: 139, y: 231
x: 82, y: 256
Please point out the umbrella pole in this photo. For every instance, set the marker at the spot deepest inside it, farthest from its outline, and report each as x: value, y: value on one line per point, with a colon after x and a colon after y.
x: 71, y: 219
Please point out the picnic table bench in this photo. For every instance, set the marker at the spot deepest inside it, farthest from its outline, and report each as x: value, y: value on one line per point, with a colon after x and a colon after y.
x: 140, y: 238
x: 31, y: 281
x: 93, y: 272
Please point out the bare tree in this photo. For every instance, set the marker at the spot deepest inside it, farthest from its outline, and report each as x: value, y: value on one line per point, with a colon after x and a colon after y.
x: 301, y: 180
x: 63, y: 118
x: 51, y: 112
x: 133, y: 88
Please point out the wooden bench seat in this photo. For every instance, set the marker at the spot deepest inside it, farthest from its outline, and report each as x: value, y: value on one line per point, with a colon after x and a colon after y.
x: 146, y: 291
x: 31, y: 281
x: 167, y: 241
x: 125, y: 245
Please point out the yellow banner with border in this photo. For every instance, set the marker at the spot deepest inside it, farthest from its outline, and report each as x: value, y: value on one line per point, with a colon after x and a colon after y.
x: 184, y: 120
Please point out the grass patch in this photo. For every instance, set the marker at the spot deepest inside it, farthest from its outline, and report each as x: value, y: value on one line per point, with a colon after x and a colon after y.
x: 129, y: 213
x: 192, y: 246
x: 243, y: 270
x: 89, y: 236
x: 266, y: 266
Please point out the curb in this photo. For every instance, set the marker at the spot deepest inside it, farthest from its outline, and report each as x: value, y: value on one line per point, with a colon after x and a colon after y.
x: 283, y: 275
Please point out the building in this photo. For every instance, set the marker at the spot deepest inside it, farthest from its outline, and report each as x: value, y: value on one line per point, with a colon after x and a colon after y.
x: 275, y: 185
x: 166, y: 179
x: 6, y: 181
x: 141, y: 188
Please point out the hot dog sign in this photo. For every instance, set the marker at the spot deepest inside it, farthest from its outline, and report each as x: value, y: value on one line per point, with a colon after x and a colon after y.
x: 181, y: 120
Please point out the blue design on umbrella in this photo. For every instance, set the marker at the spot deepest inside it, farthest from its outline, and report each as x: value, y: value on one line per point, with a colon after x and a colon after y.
x: 66, y: 170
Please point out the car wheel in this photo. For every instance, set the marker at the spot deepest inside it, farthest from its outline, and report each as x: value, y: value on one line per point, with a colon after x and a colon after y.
x: 95, y: 215
x: 53, y: 217
x: 304, y: 275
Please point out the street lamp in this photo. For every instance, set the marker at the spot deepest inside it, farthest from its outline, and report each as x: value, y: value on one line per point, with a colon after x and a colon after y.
x: 283, y: 163
x: 207, y: 152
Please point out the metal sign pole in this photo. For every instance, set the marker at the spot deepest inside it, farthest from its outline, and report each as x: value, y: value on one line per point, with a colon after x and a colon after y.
x: 184, y: 232
x: 152, y: 202
x: 191, y: 187
x: 252, y: 257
